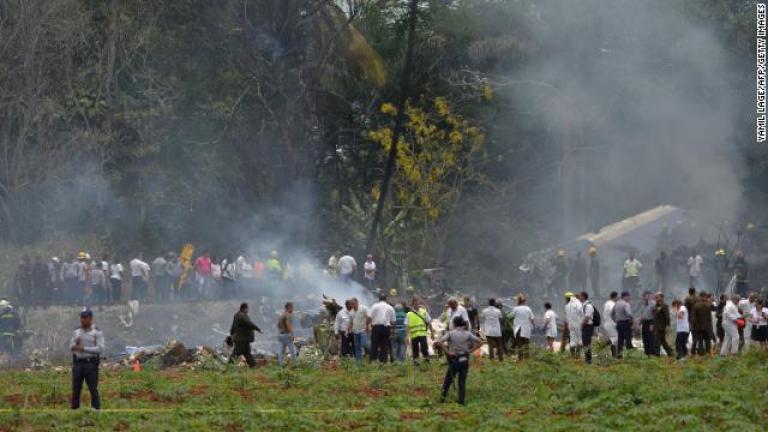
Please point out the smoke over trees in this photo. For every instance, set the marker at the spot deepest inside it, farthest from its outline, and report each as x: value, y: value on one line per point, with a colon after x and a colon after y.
x: 154, y: 123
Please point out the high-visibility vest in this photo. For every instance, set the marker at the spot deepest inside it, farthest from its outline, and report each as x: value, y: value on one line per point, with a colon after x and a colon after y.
x: 416, y: 323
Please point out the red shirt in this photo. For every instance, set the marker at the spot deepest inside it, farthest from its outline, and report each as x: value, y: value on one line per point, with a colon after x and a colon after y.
x: 203, y: 265
x: 258, y: 269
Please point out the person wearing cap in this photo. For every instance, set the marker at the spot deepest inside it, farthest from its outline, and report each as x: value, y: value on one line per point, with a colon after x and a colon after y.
x: 87, y: 344
x: 565, y: 335
x: 622, y: 316
x: 458, y: 343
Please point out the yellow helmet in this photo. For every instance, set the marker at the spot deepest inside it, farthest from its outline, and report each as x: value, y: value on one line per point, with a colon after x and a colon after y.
x: 720, y: 252
x: 82, y: 255
x: 393, y: 292
x: 561, y: 252
x: 592, y: 251
x: 568, y: 294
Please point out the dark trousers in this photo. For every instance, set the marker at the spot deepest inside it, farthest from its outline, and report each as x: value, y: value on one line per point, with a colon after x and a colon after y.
x: 521, y: 344
x: 117, y: 290
x: 380, y: 343
x: 457, y: 365
x: 681, y: 343
x: 496, y: 344
x: 624, y: 330
x: 648, y: 341
x: 587, y: 331
x: 139, y: 288
x: 419, y: 345
x: 701, y: 342
x: 243, y: 349
x: 88, y: 372
x: 347, y: 344
x: 660, y: 337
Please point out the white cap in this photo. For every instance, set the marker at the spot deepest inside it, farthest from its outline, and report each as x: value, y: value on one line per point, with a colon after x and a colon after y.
x: 55, y: 259
x: 4, y: 303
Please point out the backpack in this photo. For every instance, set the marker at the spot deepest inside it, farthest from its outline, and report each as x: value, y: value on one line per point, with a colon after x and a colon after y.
x: 597, y: 320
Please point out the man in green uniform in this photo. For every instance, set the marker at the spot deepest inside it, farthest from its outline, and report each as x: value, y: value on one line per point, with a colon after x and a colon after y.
x: 242, y: 335
x: 661, y: 321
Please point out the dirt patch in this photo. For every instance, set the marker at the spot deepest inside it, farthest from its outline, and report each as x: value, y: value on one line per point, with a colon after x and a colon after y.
x: 246, y: 395
x: 122, y: 426
x: 411, y: 415
x: 15, y: 399
x: 198, y: 390
x: 374, y: 392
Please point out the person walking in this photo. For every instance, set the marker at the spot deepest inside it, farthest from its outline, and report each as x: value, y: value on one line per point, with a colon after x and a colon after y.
x: 86, y: 345
x: 399, y: 340
x: 490, y: 324
x: 523, y: 316
x: 609, y: 325
x: 574, y: 316
x: 550, y: 326
x: 285, y: 335
x: 646, y: 323
x: 730, y: 315
x: 587, y: 326
x: 622, y: 316
x: 242, y: 335
x: 382, y: 321
x: 361, y: 326
x: 458, y: 343
x: 701, y: 325
x: 661, y: 322
x: 342, y: 327
x: 682, y: 328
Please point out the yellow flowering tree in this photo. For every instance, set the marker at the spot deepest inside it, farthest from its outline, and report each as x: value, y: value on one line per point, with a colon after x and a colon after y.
x: 436, y: 157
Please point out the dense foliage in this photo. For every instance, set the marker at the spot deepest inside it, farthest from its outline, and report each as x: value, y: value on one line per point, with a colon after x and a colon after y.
x: 152, y: 123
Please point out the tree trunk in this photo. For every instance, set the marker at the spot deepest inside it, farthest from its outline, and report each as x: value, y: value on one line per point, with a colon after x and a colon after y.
x: 405, y: 90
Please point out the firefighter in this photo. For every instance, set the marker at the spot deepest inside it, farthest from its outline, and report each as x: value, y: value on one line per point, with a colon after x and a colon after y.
x: 722, y: 270
x: 594, y: 270
x: 741, y: 269
x: 10, y: 328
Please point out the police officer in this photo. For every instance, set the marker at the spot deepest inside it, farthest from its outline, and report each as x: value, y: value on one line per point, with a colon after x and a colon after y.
x: 87, y: 344
x: 10, y: 324
x: 459, y: 343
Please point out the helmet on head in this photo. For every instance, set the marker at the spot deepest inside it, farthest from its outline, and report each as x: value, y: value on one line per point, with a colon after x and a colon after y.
x: 720, y: 252
x: 592, y: 251
x: 82, y: 255
x: 273, y: 254
x: 568, y: 294
x: 4, y: 303
x: 393, y: 292
x: 561, y: 252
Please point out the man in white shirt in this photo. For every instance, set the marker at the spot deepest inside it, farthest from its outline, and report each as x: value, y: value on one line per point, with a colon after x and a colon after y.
x: 731, y: 339
x: 609, y: 325
x: 116, y: 280
x: 382, y: 322
x: 369, y: 267
x: 682, y: 328
x: 347, y: 267
x: 550, y: 326
x: 342, y: 327
x: 490, y: 324
x: 745, y: 307
x: 587, y: 326
x: 574, y: 316
x: 139, y: 277
x: 523, y: 316
x: 361, y: 325
x: 694, y: 269
x: 631, y: 279
x: 454, y: 310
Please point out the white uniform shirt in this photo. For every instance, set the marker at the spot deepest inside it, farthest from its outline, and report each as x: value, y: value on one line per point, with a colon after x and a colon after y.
x: 382, y: 313
x: 523, y: 320
x: 93, y: 342
x: 460, y: 311
x: 759, y: 316
x: 730, y: 314
x: 347, y: 265
x: 694, y: 265
x: 490, y: 320
x: 343, y: 322
x: 573, y: 312
x: 682, y: 325
x: 550, y: 323
x: 370, y: 270
x: 116, y: 271
x: 139, y: 268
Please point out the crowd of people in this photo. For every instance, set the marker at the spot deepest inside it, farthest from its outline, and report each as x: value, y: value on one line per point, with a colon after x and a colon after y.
x: 85, y: 280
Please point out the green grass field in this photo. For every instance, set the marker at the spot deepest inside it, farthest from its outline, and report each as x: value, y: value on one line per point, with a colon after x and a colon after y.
x: 547, y: 392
